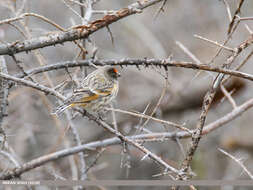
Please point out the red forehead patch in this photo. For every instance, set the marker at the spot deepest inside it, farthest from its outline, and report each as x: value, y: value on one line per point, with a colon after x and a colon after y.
x: 115, y: 70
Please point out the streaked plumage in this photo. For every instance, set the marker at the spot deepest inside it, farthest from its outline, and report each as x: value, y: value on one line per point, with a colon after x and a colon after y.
x: 98, y: 89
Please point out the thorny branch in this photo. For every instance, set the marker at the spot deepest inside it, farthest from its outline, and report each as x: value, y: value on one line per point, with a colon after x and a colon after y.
x: 84, y: 31
x: 36, y: 86
x: 206, y: 105
x: 76, y: 32
x: 42, y: 160
x: 115, y: 140
x: 162, y: 63
x: 96, y: 120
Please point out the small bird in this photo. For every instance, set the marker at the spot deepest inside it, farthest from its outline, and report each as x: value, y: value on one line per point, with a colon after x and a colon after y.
x: 97, y: 90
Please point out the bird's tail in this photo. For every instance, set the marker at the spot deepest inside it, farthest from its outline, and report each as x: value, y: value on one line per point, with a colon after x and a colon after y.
x: 58, y: 110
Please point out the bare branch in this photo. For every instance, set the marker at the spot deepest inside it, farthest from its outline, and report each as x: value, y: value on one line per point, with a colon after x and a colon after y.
x: 238, y: 161
x: 32, y: 85
x: 215, y: 43
x: 196, y: 136
x: 228, y: 10
x: 75, y: 33
x: 228, y: 96
x: 77, y: 141
x: 10, y: 158
x: 190, y: 54
x: 157, y: 104
x: 152, y: 118
x: 8, y: 21
x: 234, y: 17
x: 115, y: 140
x: 114, y: 120
x: 54, y: 156
x: 230, y: 116
x: 137, y: 63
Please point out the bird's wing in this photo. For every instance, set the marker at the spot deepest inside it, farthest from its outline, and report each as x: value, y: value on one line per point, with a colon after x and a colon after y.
x: 85, y: 99
x: 82, y: 97
x: 101, y: 86
x: 103, y: 91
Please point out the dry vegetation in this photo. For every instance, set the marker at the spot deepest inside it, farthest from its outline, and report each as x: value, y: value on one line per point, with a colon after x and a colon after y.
x: 184, y: 106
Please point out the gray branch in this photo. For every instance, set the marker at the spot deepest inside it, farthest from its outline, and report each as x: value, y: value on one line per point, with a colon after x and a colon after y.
x: 115, y: 140
x: 75, y: 33
x: 137, y: 62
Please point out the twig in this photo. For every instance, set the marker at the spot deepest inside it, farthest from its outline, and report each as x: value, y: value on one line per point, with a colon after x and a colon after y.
x: 196, y: 136
x: 137, y: 127
x: 95, y: 160
x: 88, y: 12
x: 238, y: 161
x: 110, y: 34
x: 239, y: 66
x: 249, y: 29
x: 78, y: 3
x: 37, y: 162
x: 161, y: 9
x: 228, y: 10
x: 115, y: 140
x: 33, y: 85
x: 229, y: 37
x: 20, y: 67
x: 77, y: 141
x: 215, y: 43
x: 133, y: 143
x: 230, y: 116
x: 73, y: 10
x: 180, y: 146
x: 190, y: 54
x: 114, y: 120
x: 158, y: 103
x: 75, y: 33
x: 21, y: 7
x: 245, y: 18
x: 18, y: 29
x: 52, y: 172
x: 231, y: 24
x: 244, y: 61
x: 7, y: 21
x: 152, y: 118
x: 228, y: 96
x: 10, y: 158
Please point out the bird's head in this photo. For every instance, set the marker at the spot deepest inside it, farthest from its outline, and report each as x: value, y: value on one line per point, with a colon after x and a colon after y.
x: 112, y: 73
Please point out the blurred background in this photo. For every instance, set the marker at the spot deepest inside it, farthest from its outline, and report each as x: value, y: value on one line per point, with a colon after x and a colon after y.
x: 32, y: 131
